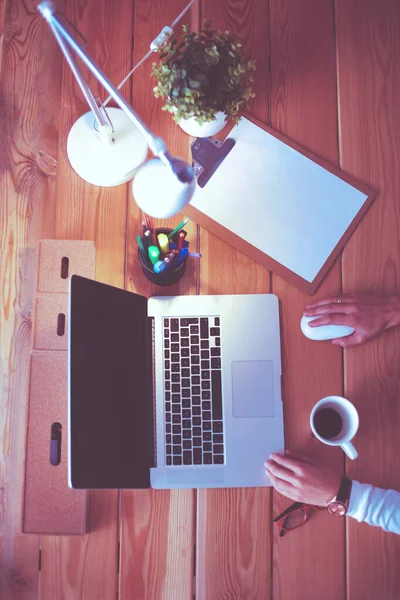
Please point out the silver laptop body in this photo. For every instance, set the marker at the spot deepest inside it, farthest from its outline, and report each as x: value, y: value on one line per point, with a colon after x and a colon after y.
x: 250, y: 371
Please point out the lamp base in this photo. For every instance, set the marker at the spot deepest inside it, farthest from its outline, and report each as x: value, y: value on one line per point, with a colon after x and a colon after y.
x: 102, y: 163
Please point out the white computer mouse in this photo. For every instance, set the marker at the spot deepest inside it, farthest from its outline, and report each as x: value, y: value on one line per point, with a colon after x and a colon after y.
x: 324, y: 332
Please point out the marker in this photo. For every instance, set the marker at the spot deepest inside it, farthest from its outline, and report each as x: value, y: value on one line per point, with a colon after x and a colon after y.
x: 173, y: 246
x: 182, y: 256
x: 141, y: 247
x: 179, y: 227
x: 147, y: 239
x: 163, y: 243
x: 159, y: 267
x: 154, y: 254
x: 167, y: 263
x: 194, y: 254
x: 181, y: 239
x: 142, y: 251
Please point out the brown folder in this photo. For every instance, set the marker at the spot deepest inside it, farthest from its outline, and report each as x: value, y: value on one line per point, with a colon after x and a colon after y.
x: 258, y: 255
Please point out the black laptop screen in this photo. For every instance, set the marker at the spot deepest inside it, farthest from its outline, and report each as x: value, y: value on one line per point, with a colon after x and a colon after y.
x: 111, y: 409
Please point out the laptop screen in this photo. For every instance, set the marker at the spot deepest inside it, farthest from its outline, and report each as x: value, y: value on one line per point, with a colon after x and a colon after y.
x: 110, y: 393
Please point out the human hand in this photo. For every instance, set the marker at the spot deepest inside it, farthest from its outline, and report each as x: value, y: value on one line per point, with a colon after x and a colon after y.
x: 302, y: 478
x: 368, y: 315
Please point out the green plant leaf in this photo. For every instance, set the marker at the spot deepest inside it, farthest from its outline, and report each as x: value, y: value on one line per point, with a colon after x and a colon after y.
x: 203, y: 72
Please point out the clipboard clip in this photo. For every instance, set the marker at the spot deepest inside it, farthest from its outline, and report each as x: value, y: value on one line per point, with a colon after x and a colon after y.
x: 207, y: 155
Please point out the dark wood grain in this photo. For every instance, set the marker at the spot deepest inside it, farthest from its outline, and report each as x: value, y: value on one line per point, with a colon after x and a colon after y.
x: 368, y: 50
x: 86, y: 567
x: 249, y: 22
x: 238, y: 553
x: 2, y: 28
x: 233, y: 526
x: 28, y: 153
x: 303, y: 107
x: 157, y: 531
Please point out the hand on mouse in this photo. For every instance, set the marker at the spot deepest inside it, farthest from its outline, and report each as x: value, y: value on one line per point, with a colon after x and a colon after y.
x: 369, y: 315
x: 302, y: 478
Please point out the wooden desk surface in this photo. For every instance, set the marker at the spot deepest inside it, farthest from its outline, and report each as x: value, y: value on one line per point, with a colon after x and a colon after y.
x: 328, y: 77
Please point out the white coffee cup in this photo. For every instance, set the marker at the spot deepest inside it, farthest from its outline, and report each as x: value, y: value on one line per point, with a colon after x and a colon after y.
x: 349, y: 416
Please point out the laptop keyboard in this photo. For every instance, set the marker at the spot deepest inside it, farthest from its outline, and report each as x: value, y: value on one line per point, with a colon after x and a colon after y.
x: 193, y: 391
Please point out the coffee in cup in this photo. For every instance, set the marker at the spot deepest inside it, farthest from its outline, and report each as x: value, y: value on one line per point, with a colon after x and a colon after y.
x: 328, y: 422
x: 334, y: 421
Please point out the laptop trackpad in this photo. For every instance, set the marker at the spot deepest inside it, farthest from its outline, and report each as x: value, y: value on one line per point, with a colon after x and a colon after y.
x: 253, y: 388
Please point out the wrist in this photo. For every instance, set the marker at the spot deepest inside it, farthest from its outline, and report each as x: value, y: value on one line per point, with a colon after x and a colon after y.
x: 333, y: 489
x: 393, y: 312
x: 339, y: 505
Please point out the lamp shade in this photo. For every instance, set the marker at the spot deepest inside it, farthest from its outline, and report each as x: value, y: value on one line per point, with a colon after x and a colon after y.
x: 159, y: 192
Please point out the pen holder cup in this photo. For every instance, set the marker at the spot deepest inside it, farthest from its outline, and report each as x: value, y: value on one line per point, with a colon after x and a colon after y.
x: 167, y: 277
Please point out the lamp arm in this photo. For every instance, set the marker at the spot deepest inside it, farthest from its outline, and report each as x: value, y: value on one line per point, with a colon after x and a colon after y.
x: 156, y: 144
x: 86, y: 91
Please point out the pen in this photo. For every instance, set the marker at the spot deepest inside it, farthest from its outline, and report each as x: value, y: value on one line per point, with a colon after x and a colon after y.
x: 179, y: 227
x: 146, y: 221
x: 149, y: 223
x: 194, y: 254
x: 173, y: 246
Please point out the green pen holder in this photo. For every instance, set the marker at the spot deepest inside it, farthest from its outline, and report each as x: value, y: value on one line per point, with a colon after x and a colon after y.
x: 170, y: 275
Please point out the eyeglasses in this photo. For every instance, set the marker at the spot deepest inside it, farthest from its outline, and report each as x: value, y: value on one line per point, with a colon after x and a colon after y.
x: 295, y: 516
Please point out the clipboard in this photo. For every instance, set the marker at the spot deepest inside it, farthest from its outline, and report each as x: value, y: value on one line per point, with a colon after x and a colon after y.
x: 221, y: 206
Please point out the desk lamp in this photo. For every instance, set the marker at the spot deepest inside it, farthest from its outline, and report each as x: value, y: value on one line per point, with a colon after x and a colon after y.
x: 107, y: 148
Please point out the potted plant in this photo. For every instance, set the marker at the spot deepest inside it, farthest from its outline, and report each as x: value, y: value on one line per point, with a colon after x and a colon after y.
x: 205, y: 79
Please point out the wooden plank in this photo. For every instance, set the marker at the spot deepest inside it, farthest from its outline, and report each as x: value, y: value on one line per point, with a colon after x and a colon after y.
x: 87, y: 566
x: 3, y: 6
x: 249, y: 22
x: 233, y: 525
x: 157, y: 532
x: 303, y: 107
x: 29, y: 119
x: 368, y: 46
x: 157, y: 544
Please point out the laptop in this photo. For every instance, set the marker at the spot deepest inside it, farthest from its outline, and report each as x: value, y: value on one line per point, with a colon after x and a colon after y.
x: 172, y: 392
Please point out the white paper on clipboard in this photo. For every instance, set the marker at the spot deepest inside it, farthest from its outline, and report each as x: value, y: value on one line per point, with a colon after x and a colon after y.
x: 279, y: 201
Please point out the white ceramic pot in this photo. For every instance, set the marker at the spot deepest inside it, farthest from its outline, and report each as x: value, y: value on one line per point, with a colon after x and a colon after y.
x: 192, y: 127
